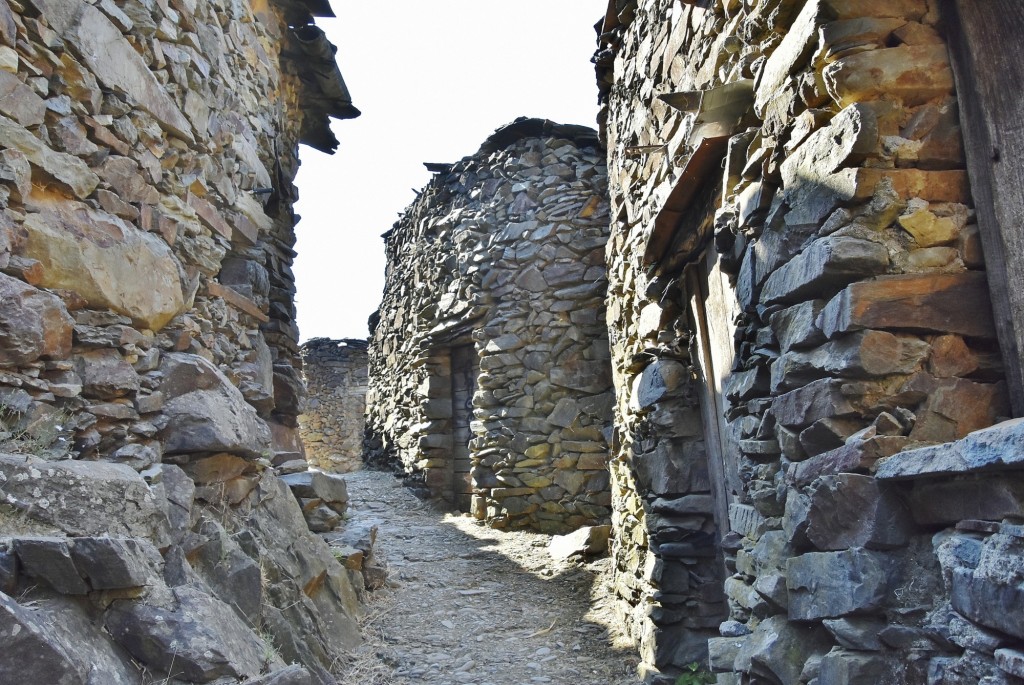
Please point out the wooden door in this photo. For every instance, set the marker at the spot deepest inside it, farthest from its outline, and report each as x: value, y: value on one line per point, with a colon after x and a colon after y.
x: 465, y: 368
x: 713, y: 308
x: 986, y: 44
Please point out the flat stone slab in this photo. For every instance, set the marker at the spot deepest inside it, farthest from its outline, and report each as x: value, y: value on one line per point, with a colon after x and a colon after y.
x: 998, y: 447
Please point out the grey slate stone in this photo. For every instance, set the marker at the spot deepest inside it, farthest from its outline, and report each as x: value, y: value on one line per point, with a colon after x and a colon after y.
x: 856, y: 633
x: 196, y: 638
x: 661, y: 379
x: 852, y: 668
x: 995, y: 448
x: 114, y: 563
x: 778, y: 649
x: 834, y: 584
x: 83, y: 498
x: 205, y: 412
x: 49, y: 559
x: 849, y: 510
x: 40, y: 658
x: 827, y: 264
x: 982, y: 594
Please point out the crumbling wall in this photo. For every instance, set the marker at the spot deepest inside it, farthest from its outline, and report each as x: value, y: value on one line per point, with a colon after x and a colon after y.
x: 336, y: 376
x: 502, y: 252
x: 796, y: 290
x: 148, y: 351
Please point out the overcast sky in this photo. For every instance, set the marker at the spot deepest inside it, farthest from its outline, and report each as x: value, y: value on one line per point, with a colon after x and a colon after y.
x: 433, y: 80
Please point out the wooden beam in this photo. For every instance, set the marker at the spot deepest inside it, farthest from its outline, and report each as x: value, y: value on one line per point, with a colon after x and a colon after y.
x: 236, y: 300
x: 719, y: 113
x: 986, y: 44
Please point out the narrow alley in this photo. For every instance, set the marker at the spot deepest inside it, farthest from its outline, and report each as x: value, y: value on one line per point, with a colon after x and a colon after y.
x: 468, y: 604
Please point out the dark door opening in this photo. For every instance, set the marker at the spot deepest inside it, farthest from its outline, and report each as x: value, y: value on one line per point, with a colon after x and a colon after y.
x: 465, y: 367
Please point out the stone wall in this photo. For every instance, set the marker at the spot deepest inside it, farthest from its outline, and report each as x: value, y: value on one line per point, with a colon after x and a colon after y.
x: 797, y: 290
x: 148, y: 355
x: 335, y: 372
x: 499, y: 264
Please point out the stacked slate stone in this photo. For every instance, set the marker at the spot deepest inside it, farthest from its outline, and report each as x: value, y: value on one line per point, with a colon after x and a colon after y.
x: 842, y: 247
x: 331, y: 425
x: 147, y: 345
x: 503, y: 251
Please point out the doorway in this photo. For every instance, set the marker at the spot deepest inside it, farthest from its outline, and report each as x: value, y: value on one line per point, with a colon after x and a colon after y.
x: 465, y: 369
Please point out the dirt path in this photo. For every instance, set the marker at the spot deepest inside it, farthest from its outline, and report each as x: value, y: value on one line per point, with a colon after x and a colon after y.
x: 470, y: 605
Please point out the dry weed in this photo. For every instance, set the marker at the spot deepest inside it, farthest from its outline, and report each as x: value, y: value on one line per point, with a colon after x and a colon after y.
x: 370, y: 663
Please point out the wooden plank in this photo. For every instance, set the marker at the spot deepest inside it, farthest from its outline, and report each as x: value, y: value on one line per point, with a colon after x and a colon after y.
x: 236, y: 300
x: 713, y: 403
x: 706, y: 157
x: 986, y: 44
x: 719, y: 111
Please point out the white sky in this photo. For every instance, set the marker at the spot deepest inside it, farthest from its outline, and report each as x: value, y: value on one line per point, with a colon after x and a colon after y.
x: 433, y: 79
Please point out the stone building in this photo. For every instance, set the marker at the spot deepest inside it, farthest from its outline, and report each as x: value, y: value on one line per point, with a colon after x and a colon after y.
x: 803, y: 338
x: 335, y: 372
x: 148, y: 351
x: 489, y: 371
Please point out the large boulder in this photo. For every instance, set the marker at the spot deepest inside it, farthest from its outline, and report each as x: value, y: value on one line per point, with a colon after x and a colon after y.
x: 41, y: 659
x: 106, y: 260
x: 195, y: 637
x: 205, y: 412
x: 778, y: 650
x: 83, y: 498
x: 33, y: 324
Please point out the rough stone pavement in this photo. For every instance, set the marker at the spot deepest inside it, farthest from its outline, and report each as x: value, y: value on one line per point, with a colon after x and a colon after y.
x: 466, y: 604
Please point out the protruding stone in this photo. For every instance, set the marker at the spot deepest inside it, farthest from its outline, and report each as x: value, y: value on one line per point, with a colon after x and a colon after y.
x: 33, y: 324
x: 206, y: 412
x: 834, y: 584
x: 849, y: 510
x: 829, y: 263
x: 942, y: 303
x: 105, y: 260
x: 914, y: 74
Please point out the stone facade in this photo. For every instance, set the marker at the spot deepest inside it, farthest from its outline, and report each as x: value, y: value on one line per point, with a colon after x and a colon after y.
x: 148, y: 353
x: 335, y: 372
x: 489, y: 371
x: 796, y: 292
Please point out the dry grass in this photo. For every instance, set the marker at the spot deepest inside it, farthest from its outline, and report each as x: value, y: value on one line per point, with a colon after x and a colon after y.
x: 369, y: 664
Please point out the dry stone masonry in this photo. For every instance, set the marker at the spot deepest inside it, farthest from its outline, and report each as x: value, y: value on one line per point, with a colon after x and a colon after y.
x: 148, y: 352
x: 799, y: 309
x: 489, y: 370
x: 335, y: 373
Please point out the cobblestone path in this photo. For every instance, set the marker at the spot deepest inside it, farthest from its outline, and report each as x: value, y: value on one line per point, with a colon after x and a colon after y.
x: 466, y: 604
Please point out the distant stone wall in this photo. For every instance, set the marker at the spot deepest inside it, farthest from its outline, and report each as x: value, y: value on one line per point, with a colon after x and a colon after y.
x: 149, y: 375
x: 489, y: 370
x: 331, y: 426
x: 797, y: 290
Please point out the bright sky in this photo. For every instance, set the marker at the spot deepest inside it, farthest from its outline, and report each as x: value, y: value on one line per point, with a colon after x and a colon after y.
x: 433, y: 80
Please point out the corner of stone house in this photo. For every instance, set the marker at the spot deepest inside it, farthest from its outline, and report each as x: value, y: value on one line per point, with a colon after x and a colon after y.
x: 149, y: 361
x: 490, y: 375
x: 808, y: 367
